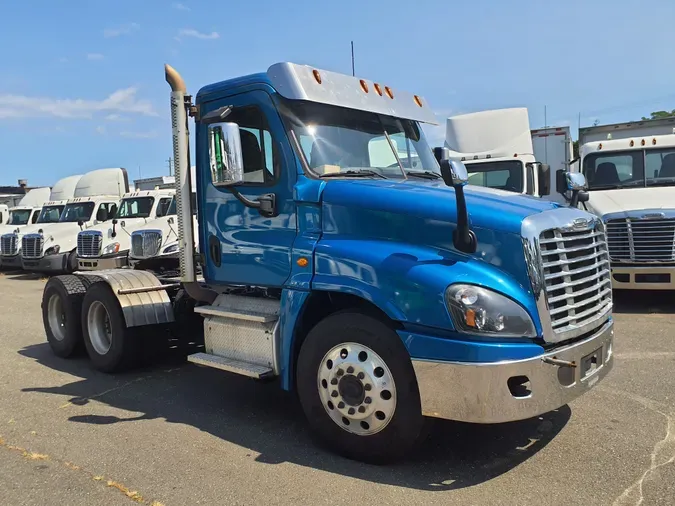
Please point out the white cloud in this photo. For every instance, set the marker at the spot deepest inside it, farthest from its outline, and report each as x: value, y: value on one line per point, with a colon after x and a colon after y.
x: 151, y: 134
x: 123, y: 100
x: 121, y: 30
x: 94, y: 56
x: 115, y: 117
x: 189, y: 32
x: 100, y: 130
x: 63, y: 60
x: 181, y: 7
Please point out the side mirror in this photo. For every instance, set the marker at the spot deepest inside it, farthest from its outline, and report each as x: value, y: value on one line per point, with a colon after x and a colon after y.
x: 454, y: 173
x: 441, y: 153
x: 225, y: 154
x: 575, y: 181
x: 544, y: 179
x: 170, y: 221
x: 102, y: 214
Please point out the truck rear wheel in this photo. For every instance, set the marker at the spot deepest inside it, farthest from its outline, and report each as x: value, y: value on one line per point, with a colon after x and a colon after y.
x: 111, y: 346
x: 61, y: 308
x: 358, y: 388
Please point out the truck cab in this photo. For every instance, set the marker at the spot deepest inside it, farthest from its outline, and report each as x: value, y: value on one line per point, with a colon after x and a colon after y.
x: 21, y: 217
x: 95, y: 199
x: 630, y: 170
x: 107, y: 245
x: 497, y: 148
x: 378, y: 287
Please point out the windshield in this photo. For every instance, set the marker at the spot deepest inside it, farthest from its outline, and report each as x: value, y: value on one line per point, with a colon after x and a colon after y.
x: 502, y: 175
x: 335, y: 140
x: 138, y: 207
x: 77, y: 211
x: 630, y: 169
x: 50, y: 214
x: 172, y: 208
x: 19, y: 217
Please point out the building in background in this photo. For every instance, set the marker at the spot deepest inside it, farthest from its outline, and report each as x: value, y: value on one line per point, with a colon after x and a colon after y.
x: 150, y: 183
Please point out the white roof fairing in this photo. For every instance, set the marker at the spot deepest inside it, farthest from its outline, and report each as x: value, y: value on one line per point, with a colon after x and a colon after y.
x: 298, y: 82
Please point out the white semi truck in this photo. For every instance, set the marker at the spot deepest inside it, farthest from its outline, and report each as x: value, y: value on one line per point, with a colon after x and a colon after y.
x: 107, y: 245
x: 51, y: 248
x: 630, y: 170
x: 20, y: 217
x: 500, y: 151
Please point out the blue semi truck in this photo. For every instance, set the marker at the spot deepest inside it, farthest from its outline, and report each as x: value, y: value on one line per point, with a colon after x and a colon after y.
x: 345, y: 261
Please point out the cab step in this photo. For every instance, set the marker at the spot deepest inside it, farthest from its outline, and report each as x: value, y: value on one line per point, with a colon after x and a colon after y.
x: 231, y: 365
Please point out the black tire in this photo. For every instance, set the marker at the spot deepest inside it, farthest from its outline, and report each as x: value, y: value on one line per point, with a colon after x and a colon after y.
x: 71, y: 266
x: 124, y: 346
x: 65, y: 340
x: 405, y: 427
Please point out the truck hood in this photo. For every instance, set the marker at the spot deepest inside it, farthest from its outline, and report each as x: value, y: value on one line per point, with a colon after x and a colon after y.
x: 488, y: 208
x: 123, y: 234
x: 602, y: 202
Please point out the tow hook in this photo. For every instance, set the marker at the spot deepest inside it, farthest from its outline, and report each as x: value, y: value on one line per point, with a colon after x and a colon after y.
x: 557, y: 361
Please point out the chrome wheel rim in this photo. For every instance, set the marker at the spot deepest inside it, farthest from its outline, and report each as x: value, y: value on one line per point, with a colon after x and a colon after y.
x: 100, y: 328
x: 356, y: 389
x: 57, y: 317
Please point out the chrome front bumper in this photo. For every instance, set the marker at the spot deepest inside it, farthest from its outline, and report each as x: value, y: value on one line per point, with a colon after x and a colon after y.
x: 515, y: 390
x: 649, y: 277
x: 100, y: 263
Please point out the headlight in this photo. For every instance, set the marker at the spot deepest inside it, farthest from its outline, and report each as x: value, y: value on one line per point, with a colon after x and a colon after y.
x: 53, y: 250
x: 480, y: 311
x: 170, y: 249
x: 111, y: 248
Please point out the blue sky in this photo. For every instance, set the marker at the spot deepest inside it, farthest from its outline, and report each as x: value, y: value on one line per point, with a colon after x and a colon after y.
x: 81, y: 84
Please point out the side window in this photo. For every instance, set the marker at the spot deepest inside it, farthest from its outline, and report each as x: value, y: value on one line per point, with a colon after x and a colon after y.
x: 497, y: 178
x: 163, y: 207
x: 529, y: 183
x: 36, y: 214
x: 259, y: 154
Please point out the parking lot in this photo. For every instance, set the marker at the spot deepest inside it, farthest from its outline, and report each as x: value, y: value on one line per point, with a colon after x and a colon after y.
x: 176, y: 434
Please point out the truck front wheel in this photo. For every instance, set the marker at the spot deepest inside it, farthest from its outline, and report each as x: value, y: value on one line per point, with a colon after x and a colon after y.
x: 358, y: 388
x: 110, y: 344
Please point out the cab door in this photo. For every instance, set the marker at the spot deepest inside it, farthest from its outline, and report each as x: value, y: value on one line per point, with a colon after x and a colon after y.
x: 239, y: 244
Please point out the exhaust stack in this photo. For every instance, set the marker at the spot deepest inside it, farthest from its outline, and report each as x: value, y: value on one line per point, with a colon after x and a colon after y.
x: 179, y: 129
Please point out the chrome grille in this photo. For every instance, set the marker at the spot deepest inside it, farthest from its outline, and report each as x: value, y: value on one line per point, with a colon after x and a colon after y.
x: 9, y: 245
x: 146, y: 243
x: 89, y: 244
x: 576, y: 275
x: 641, y: 240
x: 31, y: 246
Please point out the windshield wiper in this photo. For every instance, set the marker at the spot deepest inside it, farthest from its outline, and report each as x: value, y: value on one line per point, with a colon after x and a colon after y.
x: 354, y: 173
x: 424, y: 174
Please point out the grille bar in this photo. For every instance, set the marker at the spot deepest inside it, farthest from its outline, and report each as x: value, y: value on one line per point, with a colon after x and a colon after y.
x: 146, y: 243
x: 576, y: 277
x: 641, y: 240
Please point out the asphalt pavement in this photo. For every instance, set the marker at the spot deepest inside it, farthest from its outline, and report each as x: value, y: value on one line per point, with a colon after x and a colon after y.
x: 176, y: 434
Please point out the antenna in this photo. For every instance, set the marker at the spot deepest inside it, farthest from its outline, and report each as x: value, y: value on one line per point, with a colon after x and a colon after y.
x: 169, y: 161
x: 353, y: 73
x: 545, y: 138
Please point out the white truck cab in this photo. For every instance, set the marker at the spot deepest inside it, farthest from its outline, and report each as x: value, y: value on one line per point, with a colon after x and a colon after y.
x: 496, y: 147
x: 106, y: 246
x: 51, y: 247
x: 4, y: 214
x: 20, y: 217
x: 630, y: 171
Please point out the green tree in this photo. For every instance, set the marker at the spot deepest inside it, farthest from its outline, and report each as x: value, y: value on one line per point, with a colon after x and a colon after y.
x: 660, y: 114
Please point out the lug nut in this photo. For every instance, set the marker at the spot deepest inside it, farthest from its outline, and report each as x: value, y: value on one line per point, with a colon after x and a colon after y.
x: 351, y: 411
x: 340, y: 372
x: 334, y: 381
x: 334, y: 393
x: 362, y: 409
x: 368, y: 387
x: 350, y: 369
x: 367, y: 400
x: 341, y: 405
x: 360, y: 375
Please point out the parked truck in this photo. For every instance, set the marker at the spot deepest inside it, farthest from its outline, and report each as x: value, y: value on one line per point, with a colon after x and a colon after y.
x: 107, y: 245
x: 630, y: 168
x: 51, y: 248
x: 378, y: 294
x: 552, y: 146
x: 20, y: 217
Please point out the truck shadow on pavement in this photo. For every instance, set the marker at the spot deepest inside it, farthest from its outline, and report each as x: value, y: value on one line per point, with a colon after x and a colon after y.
x: 266, y: 420
x: 644, y: 301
